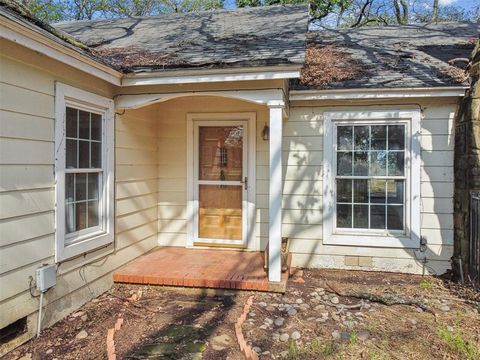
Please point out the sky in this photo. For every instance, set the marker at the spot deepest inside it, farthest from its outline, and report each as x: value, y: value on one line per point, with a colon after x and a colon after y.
x: 467, y: 4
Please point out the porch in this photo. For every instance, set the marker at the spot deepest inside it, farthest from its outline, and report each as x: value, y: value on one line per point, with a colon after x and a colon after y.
x: 194, y: 170
x: 202, y: 268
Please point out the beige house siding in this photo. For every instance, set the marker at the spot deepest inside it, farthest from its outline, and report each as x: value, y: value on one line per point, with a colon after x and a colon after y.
x: 27, y: 192
x: 302, y: 214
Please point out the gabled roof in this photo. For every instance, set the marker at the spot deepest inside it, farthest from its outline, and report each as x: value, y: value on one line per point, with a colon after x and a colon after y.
x: 263, y: 36
x: 389, y: 56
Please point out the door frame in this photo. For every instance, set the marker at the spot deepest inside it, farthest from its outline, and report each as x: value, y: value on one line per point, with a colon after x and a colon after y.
x: 192, y: 202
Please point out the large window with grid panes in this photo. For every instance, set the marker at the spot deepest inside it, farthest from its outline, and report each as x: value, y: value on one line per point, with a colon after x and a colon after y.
x: 84, y: 171
x: 369, y: 166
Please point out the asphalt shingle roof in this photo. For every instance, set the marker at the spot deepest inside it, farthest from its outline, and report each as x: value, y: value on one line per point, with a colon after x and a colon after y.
x: 395, y: 56
x: 274, y: 35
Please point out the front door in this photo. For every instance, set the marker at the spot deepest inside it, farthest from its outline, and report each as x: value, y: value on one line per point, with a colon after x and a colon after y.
x: 220, y: 183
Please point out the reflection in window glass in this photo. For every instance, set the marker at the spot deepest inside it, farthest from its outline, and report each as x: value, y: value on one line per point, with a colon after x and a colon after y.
x: 370, y: 182
x: 83, y: 149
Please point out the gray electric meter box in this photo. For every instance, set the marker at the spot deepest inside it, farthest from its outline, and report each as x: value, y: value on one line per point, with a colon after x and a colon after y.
x: 46, y: 277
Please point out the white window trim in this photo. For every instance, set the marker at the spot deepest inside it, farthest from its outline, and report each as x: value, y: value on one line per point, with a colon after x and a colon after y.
x: 411, y: 237
x: 89, y: 240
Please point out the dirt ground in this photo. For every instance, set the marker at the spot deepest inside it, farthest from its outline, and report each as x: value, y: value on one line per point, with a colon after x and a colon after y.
x: 326, y: 314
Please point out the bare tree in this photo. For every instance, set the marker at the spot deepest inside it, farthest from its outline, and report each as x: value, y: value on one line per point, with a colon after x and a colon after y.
x: 435, y: 10
x: 401, y: 11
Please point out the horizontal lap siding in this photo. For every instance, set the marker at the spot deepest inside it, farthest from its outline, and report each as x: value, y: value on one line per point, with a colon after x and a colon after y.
x: 302, y: 193
x: 27, y: 198
x: 27, y: 193
x: 136, y: 179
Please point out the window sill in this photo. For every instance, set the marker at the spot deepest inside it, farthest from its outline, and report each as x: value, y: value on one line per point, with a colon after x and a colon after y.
x: 84, y: 245
x: 373, y: 241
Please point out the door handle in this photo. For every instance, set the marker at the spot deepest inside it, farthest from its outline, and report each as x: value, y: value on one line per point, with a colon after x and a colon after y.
x: 245, y: 181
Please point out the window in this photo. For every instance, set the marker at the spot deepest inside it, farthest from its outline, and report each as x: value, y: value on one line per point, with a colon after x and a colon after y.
x: 84, y: 171
x: 371, y: 192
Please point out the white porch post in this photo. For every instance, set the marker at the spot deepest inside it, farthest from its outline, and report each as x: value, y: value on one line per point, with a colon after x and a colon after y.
x: 275, y: 191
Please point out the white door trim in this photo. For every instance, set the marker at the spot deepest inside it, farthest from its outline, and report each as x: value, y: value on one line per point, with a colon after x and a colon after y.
x: 250, y: 118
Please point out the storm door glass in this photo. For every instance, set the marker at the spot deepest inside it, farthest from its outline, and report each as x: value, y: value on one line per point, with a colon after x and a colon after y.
x: 220, y: 185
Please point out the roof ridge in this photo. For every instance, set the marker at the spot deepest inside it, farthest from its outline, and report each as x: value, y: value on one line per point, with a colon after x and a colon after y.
x: 191, y: 13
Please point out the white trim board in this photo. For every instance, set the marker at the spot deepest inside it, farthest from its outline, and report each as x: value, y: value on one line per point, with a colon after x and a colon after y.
x: 85, y: 241
x: 217, y: 75
x: 250, y: 118
x: 413, y: 159
x: 263, y: 97
x: 358, y: 94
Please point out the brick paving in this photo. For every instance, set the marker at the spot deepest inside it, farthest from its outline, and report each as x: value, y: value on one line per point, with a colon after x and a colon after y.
x: 205, y: 268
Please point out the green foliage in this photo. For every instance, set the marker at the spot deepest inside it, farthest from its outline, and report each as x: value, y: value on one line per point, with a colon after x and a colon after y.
x: 425, y: 284
x: 46, y: 10
x: 353, y: 337
x: 456, y: 342
x: 314, y: 350
x: 318, y: 8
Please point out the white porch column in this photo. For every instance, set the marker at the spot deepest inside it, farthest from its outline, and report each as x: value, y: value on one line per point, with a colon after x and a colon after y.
x: 275, y: 191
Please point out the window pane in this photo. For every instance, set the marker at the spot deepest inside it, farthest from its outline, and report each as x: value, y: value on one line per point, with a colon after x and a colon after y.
x: 377, y: 217
x: 96, y: 126
x: 360, y: 216
x: 344, y: 137
x: 344, y: 163
x: 360, y: 191
x: 361, y: 137
x: 81, y: 216
x: 69, y: 187
x: 377, y: 191
x: 360, y: 167
x: 379, y: 137
x: 396, y: 137
x: 93, y: 186
x: 396, y: 163
x: 378, y: 163
x: 70, y: 217
x: 93, y: 214
x: 71, y: 122
x: 395, y: 217
x: 83, y: 124
x: 84, y: 154
x: 96, y: 155
x: 395, y: 191
x: 80, y: 187
x: 71, y: 154
x: 344, y: 190
x: 344, y: 216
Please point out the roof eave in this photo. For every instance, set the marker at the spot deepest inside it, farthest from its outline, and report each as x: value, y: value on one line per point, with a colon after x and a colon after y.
x: 42, y: 42
x: 377, y: 93
x: 212, y: 75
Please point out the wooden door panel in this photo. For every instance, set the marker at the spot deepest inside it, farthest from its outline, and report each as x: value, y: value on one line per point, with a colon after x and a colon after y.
x: 220, y: 212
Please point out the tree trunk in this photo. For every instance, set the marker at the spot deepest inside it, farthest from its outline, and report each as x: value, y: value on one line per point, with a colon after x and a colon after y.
x: 466, y: 167
x: 435, y: 10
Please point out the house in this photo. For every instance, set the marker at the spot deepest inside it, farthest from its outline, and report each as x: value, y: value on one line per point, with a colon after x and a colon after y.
x: 225, y: 129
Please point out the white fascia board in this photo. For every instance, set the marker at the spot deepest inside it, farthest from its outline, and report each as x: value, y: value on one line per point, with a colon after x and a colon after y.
x: 36, y: 41
x: 359, y: 94
x: 213, y: 75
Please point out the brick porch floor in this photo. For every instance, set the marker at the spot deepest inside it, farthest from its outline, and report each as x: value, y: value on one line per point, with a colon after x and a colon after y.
x: 224, y: 269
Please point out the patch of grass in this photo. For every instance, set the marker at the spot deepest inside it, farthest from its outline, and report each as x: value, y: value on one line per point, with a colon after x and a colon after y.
x: 458, y: 344
x: 425, y: 284
x: 353, y: 337
x: 314, y: 350
x: 377, y: 354
x: 372, y: 326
